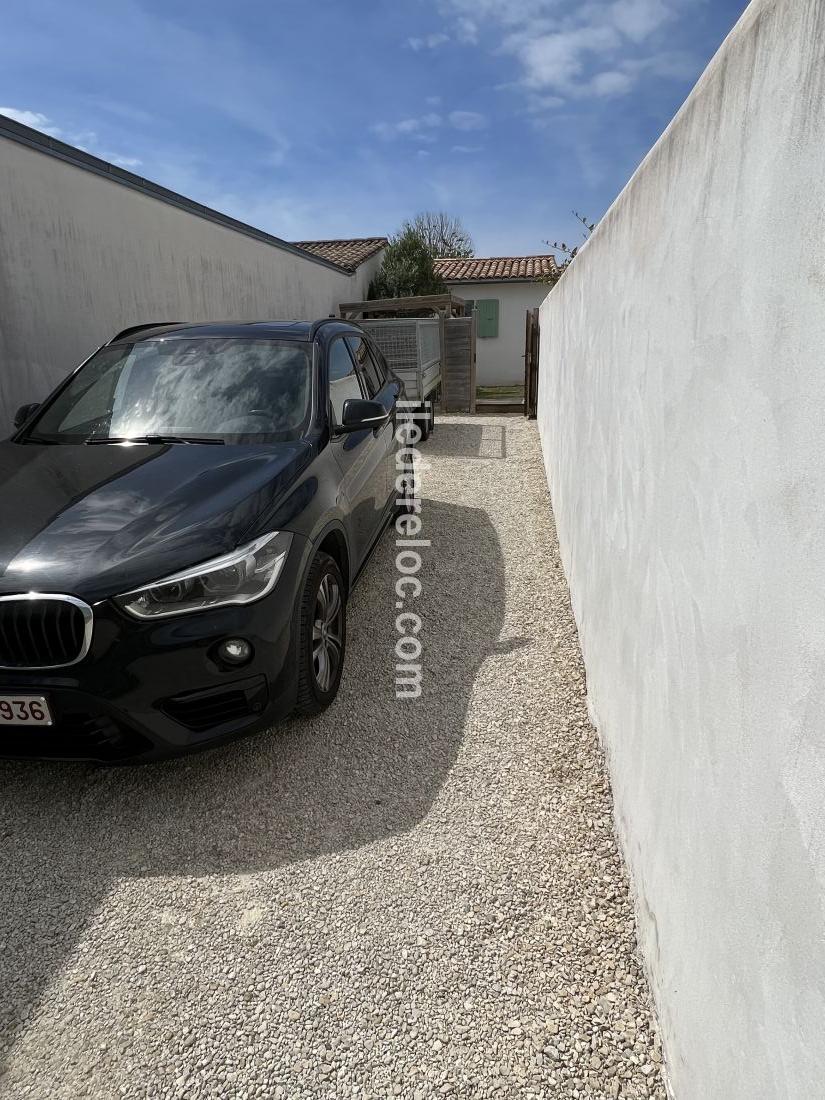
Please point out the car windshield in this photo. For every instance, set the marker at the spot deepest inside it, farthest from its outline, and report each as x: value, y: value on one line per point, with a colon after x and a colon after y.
x: 191, y: 390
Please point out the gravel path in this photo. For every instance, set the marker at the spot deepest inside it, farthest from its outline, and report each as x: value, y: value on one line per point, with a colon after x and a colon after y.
x: 414, y: 899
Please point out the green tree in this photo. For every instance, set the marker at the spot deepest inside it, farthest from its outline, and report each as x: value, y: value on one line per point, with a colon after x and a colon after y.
x: 407, y: 269
x: 442, y: 234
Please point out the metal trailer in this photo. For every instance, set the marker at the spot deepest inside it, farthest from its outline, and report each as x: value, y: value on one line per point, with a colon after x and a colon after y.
x: 412, y: 347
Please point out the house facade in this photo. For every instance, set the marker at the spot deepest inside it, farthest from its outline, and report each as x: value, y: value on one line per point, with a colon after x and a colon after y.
x: 500, y: 289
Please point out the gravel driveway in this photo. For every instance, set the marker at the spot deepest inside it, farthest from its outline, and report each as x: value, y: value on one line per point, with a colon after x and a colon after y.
x: 414, y: 899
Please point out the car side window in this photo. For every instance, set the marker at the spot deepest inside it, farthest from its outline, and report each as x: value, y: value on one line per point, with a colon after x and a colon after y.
x: 373, y: 374
x: 381, y: 364
x: 343, y: 379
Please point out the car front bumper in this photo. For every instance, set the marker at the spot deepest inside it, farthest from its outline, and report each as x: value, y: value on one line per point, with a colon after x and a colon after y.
x: 148, y: 690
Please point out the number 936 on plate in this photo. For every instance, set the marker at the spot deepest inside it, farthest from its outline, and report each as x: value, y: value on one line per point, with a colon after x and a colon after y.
x: 24, y: 710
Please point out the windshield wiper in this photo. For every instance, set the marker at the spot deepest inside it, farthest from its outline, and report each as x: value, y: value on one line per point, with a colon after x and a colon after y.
x: 99, y: 440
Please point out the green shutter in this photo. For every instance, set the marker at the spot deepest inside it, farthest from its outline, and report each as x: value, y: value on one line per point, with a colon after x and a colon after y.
x: 487, y: 317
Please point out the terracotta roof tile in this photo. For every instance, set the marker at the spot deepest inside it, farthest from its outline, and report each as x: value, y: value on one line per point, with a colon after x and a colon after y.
x: 349, y: 253
x: 496, y: 268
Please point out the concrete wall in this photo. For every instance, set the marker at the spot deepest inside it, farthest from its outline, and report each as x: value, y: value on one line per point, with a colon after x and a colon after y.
x: 500, y: 360
x: 82, y: 256
x: 682, y: 404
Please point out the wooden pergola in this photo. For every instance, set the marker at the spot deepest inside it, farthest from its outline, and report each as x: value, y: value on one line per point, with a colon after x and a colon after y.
x: 443, y: 305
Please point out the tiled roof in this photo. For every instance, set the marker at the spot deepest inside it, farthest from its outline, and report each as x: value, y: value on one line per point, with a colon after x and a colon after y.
x: 346, y: 253
x: 476, y: 269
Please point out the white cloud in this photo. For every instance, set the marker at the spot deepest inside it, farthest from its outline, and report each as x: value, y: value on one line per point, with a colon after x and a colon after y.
x: 467, y: 31
x: 428, y: 42
x: 537, y: 104
x: 30, y: 118
x: 467, y: 149
x: 419, y: 129
x: 424, y: 128
x: 433, y: 100
x: 556, y: 60
x: 89, y: 145
x: 558, y: 45
x: 610, y: 84
x: 82, y: 138
x: 85, y: 140
x: 467, y: 120
x: 638, y: 18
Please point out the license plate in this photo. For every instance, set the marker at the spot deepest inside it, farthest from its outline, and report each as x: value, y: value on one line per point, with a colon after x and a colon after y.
x: 24, y: 710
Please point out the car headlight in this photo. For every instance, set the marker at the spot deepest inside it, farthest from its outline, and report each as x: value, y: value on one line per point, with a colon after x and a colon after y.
x: 245, y: 575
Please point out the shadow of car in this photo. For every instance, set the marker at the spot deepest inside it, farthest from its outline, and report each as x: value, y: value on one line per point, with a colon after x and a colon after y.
x: 367, y: 769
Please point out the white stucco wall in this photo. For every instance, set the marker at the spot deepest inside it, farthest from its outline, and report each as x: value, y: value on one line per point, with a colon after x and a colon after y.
x: 364, y: 276
x: 682, y: 404
x: 500, y: 360
x: 82, y: 256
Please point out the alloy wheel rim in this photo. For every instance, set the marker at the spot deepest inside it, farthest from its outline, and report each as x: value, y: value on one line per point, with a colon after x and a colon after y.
x: 327, y: 635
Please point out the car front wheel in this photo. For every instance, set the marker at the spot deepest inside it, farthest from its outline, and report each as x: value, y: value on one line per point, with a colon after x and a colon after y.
x: 323, y: 636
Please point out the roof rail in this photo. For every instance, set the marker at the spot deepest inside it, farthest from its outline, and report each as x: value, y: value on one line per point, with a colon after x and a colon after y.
x: 332, y: 319
x: 140, y: 328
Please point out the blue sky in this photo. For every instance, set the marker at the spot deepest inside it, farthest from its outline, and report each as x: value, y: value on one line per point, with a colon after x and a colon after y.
x: 313, y: 118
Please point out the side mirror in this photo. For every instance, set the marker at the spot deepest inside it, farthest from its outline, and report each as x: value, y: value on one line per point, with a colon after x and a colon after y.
x: 360, y: 415
x: 24, y: 413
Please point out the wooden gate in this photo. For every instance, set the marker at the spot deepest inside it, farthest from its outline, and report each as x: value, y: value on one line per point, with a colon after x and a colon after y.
x: 531, y: 364
x: 458, y: 364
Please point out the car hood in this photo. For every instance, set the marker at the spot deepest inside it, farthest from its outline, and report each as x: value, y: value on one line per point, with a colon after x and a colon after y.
x: 93, y: 521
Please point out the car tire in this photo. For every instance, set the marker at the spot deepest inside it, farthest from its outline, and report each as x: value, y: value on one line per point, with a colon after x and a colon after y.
x: 319, y: 669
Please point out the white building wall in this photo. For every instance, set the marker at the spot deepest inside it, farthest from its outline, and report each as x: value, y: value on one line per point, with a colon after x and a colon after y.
x: 364, y: 276
x: 682, y: 403
x: 500, y: 360
x: 82, y: 256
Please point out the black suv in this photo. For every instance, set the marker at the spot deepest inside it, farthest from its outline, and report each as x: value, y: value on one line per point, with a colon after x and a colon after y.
x: 183, y: 519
